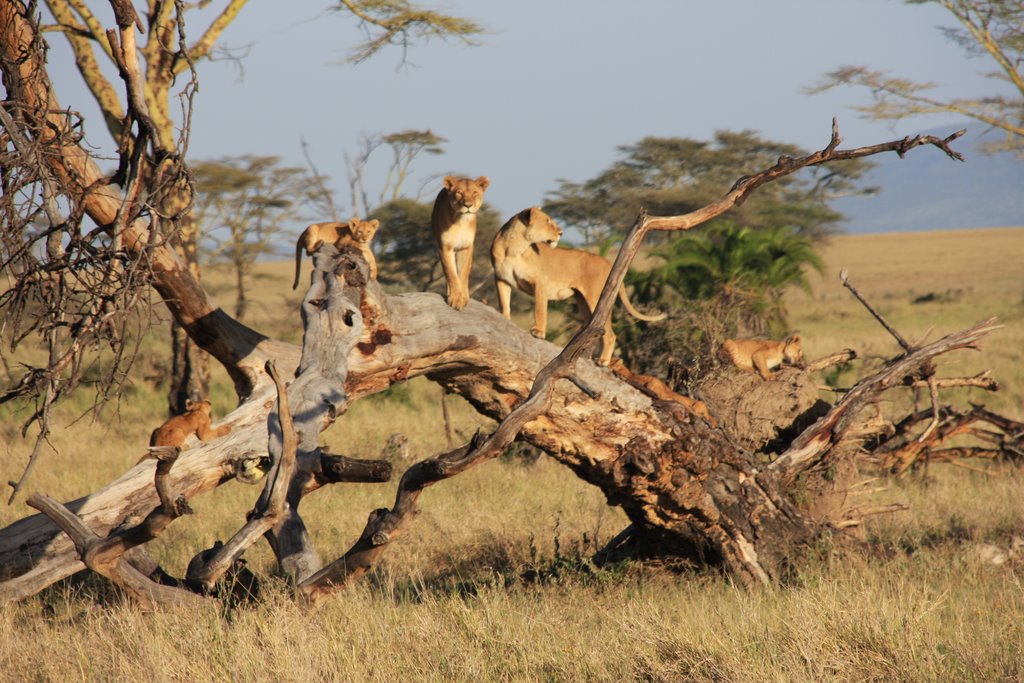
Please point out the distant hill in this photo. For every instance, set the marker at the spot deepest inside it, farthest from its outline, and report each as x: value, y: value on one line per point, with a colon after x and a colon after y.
x: 926, y: 190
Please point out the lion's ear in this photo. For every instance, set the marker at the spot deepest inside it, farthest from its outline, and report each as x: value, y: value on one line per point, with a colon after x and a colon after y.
x: 449, y: 182
x: 793, y: 339
x: 189, y: 404
x: 484, y: 182
x: 374, y: 223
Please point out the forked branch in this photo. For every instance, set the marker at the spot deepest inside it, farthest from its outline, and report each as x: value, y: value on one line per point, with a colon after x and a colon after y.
x: 270, y: 506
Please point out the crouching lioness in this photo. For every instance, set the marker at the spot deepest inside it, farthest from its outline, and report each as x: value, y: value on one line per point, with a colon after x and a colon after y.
x: 523, y: 255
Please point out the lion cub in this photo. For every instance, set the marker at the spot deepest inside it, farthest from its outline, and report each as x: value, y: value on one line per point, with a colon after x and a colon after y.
x: 653, y: 386
x: 523, y: 256
x: 453, y: 222
x: 195, y: 420
x: 354, y: 232
x: 762, y: 355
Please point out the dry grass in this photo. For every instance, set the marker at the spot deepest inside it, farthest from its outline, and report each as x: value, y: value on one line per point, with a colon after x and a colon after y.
x: 958, y: 278
x: 491, y: 582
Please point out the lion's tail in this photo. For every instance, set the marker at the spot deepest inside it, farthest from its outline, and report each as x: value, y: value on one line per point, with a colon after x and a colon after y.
x: 624, y: 298
x: 298, y: 262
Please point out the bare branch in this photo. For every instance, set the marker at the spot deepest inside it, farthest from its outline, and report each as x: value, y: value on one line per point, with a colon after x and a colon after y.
x: 788, y: 165
x: 270, y: 507
x: 120, y: 571
x: 827, y: 430
x: 844, y: 356
x: 878, y: 316
x: 981, y: 380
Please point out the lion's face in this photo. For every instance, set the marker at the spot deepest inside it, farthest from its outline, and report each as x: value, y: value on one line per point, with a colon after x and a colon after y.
x: 793, y: 351
x: 540, y: 227
x: 465, y: 194
x: 363, y: 231
x: 203, y: 406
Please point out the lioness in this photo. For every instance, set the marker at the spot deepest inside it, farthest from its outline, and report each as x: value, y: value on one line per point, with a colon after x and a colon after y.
x: 454, y: 224
x: 354, y: 232
x: 523, y: 256
x: 762, y: 355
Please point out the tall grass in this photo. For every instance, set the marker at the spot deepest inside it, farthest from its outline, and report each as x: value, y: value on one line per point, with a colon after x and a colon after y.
x: 492, y: 580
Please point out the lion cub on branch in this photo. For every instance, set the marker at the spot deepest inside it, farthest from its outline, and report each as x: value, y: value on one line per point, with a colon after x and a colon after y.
x: 761, y: 355
x: 195, y: 420
x: 523, y: 256
x: 453, y: 222
x: 653, y: 386
x: 354, y: 232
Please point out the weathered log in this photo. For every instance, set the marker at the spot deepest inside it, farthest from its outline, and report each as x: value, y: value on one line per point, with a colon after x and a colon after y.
x: 678, y: 479
x: 117, y: 569
x: 817, y: 439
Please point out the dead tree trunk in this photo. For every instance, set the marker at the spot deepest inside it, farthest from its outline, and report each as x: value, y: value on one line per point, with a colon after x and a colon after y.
x: 682, y: 482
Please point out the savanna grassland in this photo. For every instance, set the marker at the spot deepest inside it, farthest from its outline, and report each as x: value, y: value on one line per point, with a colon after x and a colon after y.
x: 492, y: 581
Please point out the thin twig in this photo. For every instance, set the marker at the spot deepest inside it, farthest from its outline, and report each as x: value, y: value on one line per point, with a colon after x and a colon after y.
x: 878, y: 316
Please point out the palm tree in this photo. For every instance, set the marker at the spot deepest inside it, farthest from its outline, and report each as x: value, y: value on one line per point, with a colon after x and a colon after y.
x: 720, y: 282
x: 738, y: 267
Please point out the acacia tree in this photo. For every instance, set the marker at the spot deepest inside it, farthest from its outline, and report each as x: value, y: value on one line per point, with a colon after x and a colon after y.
x: 992, y: 29
x: 689, y: 488
x: 678, y: 175
x: 245, y: 206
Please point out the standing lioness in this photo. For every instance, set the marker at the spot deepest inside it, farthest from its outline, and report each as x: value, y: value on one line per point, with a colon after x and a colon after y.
x: 523, y: 256
x: 454, y: 224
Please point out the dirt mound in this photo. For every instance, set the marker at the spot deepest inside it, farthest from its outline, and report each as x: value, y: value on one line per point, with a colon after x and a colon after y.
x: 762, y: 415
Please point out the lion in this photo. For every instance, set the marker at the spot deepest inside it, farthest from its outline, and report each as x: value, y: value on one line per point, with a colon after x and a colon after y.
x: 195, y: 420
x: 524, y: 255
x: 353, y: 232
x: 761, y: 355
x: 655, y: 387
x: 453, y: 222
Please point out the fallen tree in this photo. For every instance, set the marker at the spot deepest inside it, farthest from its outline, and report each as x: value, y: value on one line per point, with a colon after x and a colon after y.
x: 689, y: 488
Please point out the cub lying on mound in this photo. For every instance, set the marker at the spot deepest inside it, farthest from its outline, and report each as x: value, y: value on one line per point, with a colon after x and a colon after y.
x: 453, y: 222
x: 354, y: 232
x: 523, y: 256
x: 762, y: 355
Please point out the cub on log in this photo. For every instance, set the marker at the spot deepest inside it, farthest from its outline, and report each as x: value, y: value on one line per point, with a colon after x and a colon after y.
x: 195, y: 420
x: 353, y: 232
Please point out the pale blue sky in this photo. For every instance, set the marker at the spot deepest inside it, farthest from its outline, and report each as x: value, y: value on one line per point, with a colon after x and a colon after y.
x: 556, y: 86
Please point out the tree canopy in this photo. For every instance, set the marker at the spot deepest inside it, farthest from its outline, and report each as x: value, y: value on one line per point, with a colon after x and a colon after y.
x: 668, y: 176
